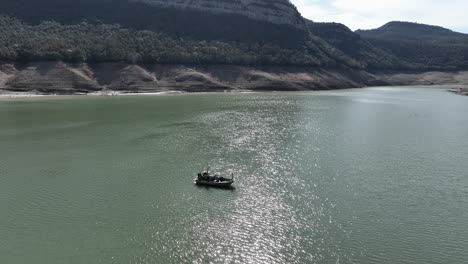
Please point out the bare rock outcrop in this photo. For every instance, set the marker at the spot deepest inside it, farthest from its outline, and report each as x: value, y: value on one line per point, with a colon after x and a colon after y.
x: 190, y: 79
x: 52, y: 77
x: 7, y: 71
x: 123, y: 77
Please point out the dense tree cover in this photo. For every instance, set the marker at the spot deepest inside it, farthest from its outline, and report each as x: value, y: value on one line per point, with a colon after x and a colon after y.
x: 175, y: 22
x: 436, y: 55
x: 96, y: 42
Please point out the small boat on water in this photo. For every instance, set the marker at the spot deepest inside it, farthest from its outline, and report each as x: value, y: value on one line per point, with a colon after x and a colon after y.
x: 205, y: 178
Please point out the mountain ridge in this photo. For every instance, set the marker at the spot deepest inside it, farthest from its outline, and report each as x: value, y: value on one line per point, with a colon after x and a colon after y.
x: 432, y: 46
x: 402, y: 30
x: 355, y: 46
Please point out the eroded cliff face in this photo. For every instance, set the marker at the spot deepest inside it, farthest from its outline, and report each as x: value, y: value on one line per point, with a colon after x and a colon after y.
x: 63, y: 78
x: 274, y: 11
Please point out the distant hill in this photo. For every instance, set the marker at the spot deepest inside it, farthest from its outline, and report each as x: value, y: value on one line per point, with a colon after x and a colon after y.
x: 397, y: 30
x: 423, y: 46
x: 342, y: 38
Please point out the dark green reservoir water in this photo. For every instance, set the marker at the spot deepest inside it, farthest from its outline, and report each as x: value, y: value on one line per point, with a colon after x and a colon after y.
x: 364, y: 176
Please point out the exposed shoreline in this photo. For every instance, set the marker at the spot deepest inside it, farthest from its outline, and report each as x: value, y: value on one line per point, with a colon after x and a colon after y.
x: 460, y: 91
x: 22, y: 95
x: 111, y: 79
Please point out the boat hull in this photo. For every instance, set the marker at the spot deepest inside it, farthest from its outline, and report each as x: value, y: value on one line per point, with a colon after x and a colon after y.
x: 214, y: 184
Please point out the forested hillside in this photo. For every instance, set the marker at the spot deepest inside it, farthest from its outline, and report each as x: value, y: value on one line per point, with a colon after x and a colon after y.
x: 134, y: 31
x: 176, y: 22
x: 96, y: 42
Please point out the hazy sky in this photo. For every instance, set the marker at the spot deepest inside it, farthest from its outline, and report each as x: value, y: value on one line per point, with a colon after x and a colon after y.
x: 366, y: 14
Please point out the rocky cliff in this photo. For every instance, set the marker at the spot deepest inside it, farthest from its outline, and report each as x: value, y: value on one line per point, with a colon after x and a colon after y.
x: 274, y: 11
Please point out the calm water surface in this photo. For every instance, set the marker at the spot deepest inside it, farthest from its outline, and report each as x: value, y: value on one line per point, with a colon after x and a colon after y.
x: 375, y: 175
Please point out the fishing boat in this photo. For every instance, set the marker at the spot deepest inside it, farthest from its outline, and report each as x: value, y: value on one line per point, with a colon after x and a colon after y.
x: 205, y: 178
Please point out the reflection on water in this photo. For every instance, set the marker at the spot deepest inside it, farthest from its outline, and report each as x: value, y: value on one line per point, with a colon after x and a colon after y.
x: 361, y: 176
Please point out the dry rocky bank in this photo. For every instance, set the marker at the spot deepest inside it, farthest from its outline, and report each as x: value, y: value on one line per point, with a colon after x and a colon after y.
x: 64, y: 78
x: 461, y: 91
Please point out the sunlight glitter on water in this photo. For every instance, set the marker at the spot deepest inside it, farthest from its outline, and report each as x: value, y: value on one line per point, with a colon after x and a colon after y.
x: 322, y: 177
x: 265, y: 228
